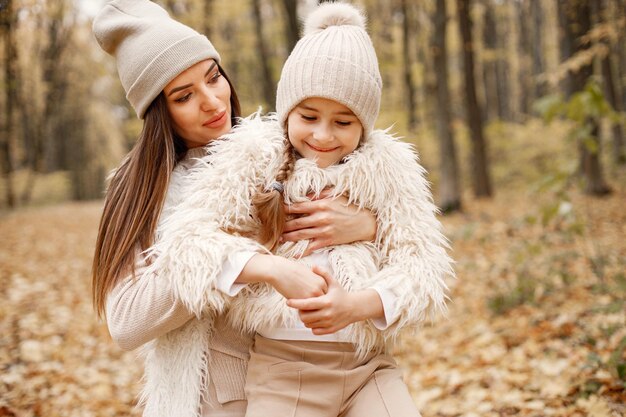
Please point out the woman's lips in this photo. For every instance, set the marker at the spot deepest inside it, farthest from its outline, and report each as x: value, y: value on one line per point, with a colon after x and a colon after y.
x: 320, y: 149
x: 217, y: 121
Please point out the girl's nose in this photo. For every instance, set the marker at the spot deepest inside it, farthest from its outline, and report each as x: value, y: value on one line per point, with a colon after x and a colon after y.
x: 322, y: 133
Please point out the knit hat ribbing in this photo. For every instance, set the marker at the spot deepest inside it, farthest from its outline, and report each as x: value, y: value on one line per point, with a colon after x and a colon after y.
x: 150, y: 48
x: 335, y: 59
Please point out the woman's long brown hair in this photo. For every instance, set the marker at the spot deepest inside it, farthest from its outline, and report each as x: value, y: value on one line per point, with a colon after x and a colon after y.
x: 135, y: 197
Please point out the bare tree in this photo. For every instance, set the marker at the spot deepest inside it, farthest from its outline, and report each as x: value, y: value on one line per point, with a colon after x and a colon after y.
x: 489, y: 62
x: 8, y: 20
x: 292, y: 23
x: 449, y: 187
x: 536, y: 15
x: 611, y: 88
x: 479, y: 161
x: 503, y: 28
x: 407, y: 64
x: 524, y: 46
x: 269, y: 86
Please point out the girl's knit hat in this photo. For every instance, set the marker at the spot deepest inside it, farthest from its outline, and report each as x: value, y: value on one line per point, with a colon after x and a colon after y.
x: 151, y: 48
x: 335, y: 59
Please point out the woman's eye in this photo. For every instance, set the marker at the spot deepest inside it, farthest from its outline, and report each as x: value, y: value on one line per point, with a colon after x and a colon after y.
x: 183, y: 98
x: 214, y: 77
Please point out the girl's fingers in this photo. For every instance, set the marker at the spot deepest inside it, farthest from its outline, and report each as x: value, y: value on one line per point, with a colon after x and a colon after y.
x: 306, y: 305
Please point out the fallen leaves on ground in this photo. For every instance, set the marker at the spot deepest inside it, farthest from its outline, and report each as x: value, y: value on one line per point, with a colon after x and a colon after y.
x: 536, y: 317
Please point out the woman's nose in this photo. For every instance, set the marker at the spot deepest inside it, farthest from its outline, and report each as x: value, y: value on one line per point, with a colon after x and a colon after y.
x: 209, y: 100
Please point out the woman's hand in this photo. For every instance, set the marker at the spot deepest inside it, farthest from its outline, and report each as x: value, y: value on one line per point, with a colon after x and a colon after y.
x: 290, y: 278
x: 327, y: 222
x: 337, y: 308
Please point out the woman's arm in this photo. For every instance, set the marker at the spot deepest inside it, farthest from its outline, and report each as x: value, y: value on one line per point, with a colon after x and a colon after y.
x: 329, y: 221
x: 141, y: 308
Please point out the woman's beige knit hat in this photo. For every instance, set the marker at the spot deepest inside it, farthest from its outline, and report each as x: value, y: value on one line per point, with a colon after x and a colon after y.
x: 335, y: 59
x: 150, y: 47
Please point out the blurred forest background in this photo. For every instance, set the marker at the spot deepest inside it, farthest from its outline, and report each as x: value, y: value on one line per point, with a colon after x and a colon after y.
x: 517, y: 110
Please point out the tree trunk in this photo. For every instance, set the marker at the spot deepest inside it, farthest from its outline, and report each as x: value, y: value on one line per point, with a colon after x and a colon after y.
x: 8, y: 20
x: 449, y: 188
x: 524, y: 59
x: 579, y: 20
x: 503, y: 69
x: 611, y: 91
x: 406, y: 60
x: 268, y: 84
x: 566, y: 42
x: 479, y: 162
x: 536, y: 13
x: 292, y: 24
x: 489, y: 62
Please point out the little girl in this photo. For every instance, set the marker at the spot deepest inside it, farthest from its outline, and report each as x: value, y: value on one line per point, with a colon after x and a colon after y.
x: 325, y: 356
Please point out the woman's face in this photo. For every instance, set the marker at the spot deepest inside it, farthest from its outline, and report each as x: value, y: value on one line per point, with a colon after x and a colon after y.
x: 198, y: 101
x: 323, y: 130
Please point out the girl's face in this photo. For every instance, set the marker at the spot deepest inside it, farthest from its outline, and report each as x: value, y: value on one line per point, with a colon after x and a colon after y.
x: 198, y: 101
x: 324, y: 130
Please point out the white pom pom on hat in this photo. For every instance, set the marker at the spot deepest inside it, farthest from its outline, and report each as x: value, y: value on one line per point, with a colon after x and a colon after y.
x: 335, y: 59
x: 333, y: 14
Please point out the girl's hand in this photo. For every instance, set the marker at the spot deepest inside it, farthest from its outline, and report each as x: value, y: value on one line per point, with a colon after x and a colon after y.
x: 288, y: 277
x: 327, y: 222
x: 337, y: 308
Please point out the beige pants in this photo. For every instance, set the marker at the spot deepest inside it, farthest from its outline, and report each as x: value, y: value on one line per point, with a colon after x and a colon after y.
x: 323, y: 379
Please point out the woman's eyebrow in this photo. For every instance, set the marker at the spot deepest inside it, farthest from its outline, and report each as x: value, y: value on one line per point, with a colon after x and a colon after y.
x: 182, y: 87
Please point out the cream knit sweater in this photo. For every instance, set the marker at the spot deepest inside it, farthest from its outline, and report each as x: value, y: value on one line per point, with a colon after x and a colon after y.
x: 179, y: 355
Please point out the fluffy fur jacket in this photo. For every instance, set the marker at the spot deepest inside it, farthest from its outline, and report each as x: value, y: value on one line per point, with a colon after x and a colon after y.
x: 408, y: 256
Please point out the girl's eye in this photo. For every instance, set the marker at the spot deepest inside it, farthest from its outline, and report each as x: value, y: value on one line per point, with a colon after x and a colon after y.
x: 340, y: 123
x: 183, y: 98
x: 308, y: 118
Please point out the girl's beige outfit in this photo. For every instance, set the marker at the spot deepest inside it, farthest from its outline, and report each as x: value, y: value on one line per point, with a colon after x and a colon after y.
x: 407, y: 260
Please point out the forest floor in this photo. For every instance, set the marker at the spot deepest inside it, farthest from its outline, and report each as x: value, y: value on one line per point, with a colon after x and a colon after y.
x: 536, y: 323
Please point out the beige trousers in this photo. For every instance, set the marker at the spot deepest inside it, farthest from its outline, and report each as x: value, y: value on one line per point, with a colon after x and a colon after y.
x: 323, y: 379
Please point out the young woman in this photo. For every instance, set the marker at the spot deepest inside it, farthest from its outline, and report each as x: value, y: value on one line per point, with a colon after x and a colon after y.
x: 174, y: 81
x: 326, y: 355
